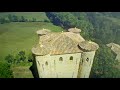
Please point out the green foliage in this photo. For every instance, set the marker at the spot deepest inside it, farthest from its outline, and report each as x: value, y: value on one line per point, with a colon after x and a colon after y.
x: 64, y: 19
x: 22, y: 55
x: 103, y: 27
x: 13, y: 18
x: 73, y: 19
x: 17, y: 36
x: 3, y: 20
x: 5, y: 71
x: 104, y: 64
x: 48, y: 21
x: 33, y: 19
x: 9, y: 59
x: 30, y: 57
x: 22, y: 19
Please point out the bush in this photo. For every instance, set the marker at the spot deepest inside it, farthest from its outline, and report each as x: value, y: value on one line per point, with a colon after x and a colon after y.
x: 46, y: 21
x: 5, y: 71
x: 9, y: 59
x: 30, y: 57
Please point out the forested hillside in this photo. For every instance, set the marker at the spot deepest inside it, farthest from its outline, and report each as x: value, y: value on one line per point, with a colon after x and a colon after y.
x: 101, y: 27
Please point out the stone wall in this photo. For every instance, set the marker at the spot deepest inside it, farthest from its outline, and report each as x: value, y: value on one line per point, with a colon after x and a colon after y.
x: 58, y: 66
x: 86, y: 64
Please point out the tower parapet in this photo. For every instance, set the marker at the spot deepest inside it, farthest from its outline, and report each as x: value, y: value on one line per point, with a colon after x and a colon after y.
x: 87, y: 58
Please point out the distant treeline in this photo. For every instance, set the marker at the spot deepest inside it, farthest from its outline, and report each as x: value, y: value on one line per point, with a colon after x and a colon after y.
x: 14, y: 18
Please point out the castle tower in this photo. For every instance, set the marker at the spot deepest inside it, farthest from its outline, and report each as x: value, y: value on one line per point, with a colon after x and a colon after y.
x: 75, y: 30
x: 42, y: 32
x: 63, y: 55
x: 87, y: 58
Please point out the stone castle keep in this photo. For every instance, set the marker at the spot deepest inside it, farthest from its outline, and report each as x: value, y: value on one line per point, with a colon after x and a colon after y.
x: 63, y: 54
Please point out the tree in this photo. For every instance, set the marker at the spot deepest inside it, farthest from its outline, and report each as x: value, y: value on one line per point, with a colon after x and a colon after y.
x: 2, y: 20
x: 22, y: 19
x: 65, y: 19
x: 104, y: 64
x: 10, y: 17
x: 30, y: 57
x: 33, y: 19
x: 46, y: 20
x: 22, y: 55
x: 15, y: 18
x: 5, y: 71
x: 9, y: 58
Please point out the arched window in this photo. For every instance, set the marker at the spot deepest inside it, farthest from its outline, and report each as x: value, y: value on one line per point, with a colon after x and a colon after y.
x: 71, y: 58
x: 60, y: 59
x: 87, y: 59
x: 46, y: 63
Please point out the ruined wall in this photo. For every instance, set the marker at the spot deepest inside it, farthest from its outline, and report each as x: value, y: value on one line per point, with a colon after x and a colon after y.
x: 58, y: 66
x: 86, y: 64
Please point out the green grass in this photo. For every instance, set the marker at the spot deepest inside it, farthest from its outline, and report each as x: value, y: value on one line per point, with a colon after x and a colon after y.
x: 18, y: 36
x: 22, y: 72
x: 40, y: 16
x: 21, y: 36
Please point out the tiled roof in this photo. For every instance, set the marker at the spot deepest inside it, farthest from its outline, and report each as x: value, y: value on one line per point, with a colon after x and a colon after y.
x: 58, y: 43
x: 88, y: 46
x: 54, y: 43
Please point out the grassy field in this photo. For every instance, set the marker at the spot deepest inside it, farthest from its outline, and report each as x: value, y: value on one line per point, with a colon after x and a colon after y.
x: 40, y: 16
x: 15, y: 37
x: 21, y: 36
x: 18, y: 36
x: 22, y: 72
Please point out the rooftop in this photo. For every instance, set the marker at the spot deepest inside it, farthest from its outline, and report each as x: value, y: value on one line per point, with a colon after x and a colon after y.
x: 88, y: 46
x: 43, y: 31
x: 54, y: 43
x: 74, y: 30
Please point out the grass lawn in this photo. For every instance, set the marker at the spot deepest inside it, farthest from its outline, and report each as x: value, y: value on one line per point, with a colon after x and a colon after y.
x: 22, y: 72
x: 18, y: 36
x: 40, y: 16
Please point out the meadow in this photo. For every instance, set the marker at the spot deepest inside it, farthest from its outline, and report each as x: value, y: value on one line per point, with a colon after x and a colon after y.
x: 18, y: 36
x: 21, y: 36
x: 39, y: 16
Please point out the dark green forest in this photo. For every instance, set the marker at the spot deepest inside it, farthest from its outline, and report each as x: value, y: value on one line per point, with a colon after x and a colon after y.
x: 100, y: 27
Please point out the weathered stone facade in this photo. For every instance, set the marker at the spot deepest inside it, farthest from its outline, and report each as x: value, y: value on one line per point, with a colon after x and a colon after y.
x: 63, y: 54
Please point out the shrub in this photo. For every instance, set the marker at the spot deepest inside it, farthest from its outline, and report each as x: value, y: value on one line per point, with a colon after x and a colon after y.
x: 5, y: 71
